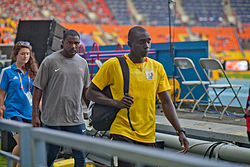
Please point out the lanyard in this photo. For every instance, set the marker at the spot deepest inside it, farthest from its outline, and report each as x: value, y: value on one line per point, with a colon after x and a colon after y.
x: 22, y: 82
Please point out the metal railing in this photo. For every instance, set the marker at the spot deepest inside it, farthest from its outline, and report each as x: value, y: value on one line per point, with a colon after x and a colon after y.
x: 33, y: 151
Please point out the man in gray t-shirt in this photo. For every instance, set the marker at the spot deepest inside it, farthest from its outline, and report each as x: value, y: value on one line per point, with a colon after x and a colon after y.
x: 61, y: 81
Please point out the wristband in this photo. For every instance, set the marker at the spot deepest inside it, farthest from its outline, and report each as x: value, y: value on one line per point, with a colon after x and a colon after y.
x: 181, y: 130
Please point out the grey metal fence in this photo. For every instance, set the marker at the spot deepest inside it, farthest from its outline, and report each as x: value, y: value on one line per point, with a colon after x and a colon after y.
x: 33, y: 151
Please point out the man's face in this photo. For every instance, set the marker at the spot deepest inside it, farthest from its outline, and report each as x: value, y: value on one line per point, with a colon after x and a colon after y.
x: 71, y: 45
x: 140, y: 44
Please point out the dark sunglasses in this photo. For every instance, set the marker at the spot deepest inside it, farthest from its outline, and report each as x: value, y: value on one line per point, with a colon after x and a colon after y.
x: 23, y: 43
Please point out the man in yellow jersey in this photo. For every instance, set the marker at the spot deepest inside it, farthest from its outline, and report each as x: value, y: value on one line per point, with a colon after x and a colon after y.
x: 147, y: 78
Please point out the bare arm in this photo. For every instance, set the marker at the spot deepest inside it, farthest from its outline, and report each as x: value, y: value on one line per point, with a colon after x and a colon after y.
x: 84, y: 97
x: 95, y: 94
x: 2, y: 107
x: 170, y: 113
x: 37, y: 94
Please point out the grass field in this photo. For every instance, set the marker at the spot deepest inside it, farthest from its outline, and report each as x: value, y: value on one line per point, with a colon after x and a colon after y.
x: 241, y: 75
x: 3, y: 161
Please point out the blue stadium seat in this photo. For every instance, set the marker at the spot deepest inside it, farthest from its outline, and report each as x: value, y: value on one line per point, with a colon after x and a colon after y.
x: 120, y: 11
x: 242, y: 9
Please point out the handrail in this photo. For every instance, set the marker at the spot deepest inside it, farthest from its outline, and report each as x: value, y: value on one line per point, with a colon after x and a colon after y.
x: 114, y: 51
x: 141, y: 154
x: 134, y: 153
x: 97, y: 48
x: 10, y: 156
x: 117, y: 46
x: 93, y: 46
x: 112, y: 54
x: 9, y: 126
x: 96, y: 54
x: 81, y: 50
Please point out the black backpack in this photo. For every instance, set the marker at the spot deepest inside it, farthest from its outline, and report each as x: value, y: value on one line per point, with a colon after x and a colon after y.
x: 103, y: 116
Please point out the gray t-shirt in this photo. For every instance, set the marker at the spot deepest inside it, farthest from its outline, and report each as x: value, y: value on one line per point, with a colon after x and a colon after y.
x: 62, y: 81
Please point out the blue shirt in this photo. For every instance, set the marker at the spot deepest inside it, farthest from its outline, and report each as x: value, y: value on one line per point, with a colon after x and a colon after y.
x: 16, y: 102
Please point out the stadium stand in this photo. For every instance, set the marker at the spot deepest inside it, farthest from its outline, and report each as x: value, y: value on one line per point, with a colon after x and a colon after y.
x: 70, y: 11
x: 101, y: 9
x: 108, y: 21
x: 155, y: 10
x: 121, y: 31
x: 120, y: 11
x: 244, y: 37
x: 205, y: 13
x: 13, y: 10
x: 161, y: 33
x: 241, y: 7
x: 220, y: 38
x: 7, y: 30
x: 20, y: 9
x: 90, y: 31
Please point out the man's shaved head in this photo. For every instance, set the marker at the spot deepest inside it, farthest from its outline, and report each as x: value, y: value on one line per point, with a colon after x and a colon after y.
x: 133, y: 31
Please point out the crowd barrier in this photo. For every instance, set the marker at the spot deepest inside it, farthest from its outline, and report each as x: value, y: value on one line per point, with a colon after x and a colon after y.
x: 33, y: 150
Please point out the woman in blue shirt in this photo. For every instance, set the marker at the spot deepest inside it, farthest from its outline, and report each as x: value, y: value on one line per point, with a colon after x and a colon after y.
x: 16, y: 87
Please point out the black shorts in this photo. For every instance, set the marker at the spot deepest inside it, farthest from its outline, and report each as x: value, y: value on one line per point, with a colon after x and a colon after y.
x: 122, y: 163
x: 19, y: 119
x: 128, y: 140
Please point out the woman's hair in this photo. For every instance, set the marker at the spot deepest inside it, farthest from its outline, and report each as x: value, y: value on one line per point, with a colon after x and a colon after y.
x: 31, y: 66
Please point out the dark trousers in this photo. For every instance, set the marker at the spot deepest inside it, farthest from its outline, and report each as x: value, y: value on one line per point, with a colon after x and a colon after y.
x: 20, y: 119
x: 52, y: 150
x: 121, y: 138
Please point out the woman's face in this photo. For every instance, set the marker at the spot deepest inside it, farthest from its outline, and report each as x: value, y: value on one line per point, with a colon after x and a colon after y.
x: 23, y: 56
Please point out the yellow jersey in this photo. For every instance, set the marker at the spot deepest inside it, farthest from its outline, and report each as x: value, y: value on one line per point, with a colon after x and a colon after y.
x: 146, y: 80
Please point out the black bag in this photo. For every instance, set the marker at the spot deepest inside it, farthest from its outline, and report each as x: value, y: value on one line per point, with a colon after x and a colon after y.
x: 103, y: 116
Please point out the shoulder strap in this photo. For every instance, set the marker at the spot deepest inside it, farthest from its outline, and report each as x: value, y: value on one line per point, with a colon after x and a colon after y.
x: 125, y: 72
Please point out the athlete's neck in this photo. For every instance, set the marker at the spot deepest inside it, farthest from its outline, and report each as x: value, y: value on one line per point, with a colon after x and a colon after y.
x: 66, y: 55
x: 136, y: 59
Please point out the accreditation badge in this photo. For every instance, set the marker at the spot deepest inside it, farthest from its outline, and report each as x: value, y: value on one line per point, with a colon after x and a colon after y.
x: 29, y: 96
x: 150, y: 74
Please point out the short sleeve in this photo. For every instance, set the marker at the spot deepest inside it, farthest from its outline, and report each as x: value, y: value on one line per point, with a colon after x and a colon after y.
x: 103, y: 76
x: 42, y: 76
x: 4, y: 80
x: 86, y: 76
x: 163, y: 82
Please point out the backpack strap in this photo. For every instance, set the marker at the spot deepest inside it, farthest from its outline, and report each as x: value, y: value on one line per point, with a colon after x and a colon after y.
x: 125, y: 72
